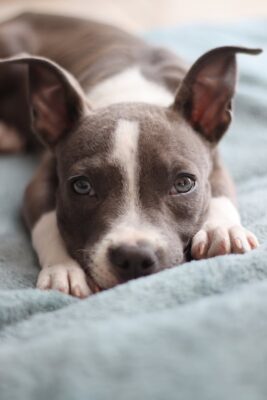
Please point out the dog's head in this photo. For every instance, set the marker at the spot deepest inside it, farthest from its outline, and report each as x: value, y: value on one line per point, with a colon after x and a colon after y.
x: 133, y: 178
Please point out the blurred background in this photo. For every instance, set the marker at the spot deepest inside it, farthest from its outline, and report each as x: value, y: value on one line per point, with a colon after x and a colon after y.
x: 142, y: 15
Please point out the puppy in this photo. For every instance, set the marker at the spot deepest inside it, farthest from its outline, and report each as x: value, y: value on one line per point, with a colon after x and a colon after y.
x: 130, y: 181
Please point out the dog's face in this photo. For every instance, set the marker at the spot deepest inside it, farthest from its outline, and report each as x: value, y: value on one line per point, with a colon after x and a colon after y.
x: 133, y: 178
x: 133, y: 190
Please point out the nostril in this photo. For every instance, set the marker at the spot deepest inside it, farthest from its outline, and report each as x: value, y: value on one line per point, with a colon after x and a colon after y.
x: 125, y: 265
x: 147, y: 263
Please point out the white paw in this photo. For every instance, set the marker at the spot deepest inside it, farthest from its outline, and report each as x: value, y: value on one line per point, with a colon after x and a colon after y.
x: 10, y: 140
x: 67, y: 278
x: 217, y: 241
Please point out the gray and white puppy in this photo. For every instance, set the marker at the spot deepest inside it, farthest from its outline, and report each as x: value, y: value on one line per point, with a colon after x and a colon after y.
x: 131, y: 181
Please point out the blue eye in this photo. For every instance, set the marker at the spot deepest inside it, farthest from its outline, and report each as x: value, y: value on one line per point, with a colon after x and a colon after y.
x: 183, y: 184
x: 82, y: 186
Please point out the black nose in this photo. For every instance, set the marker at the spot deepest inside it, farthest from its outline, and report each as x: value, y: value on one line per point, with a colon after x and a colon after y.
x: 131, y: 262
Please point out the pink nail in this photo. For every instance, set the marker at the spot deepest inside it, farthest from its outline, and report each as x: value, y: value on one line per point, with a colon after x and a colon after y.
x: 239, y: 244
x: 201, y: 249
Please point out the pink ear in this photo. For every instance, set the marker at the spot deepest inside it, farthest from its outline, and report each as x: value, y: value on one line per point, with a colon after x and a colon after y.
x: 56, y: 99
x: 206, y: 93
x: 49, y: 106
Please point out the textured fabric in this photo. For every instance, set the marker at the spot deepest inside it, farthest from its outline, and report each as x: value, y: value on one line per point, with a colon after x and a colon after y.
x: 197, y: 331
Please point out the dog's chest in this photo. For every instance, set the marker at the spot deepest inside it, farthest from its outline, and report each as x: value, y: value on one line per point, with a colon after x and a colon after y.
x: 129, y: 86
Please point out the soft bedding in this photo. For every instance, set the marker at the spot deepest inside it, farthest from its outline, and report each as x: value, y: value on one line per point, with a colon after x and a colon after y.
x: 197, y: 331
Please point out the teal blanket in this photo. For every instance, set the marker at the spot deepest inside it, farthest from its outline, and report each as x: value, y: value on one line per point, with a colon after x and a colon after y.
x: 194, y: 332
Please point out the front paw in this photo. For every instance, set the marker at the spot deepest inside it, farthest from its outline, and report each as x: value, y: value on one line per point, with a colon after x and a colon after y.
x: 67, y: 278
x: 217, y: 241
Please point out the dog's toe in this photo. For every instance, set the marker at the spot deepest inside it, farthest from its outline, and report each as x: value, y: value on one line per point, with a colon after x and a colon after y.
x: 66, y: 279
x: 200, y: 245
x: 78, y: 283
x: 44, y: 280
x: 221, y: 241
x: 242, y: 240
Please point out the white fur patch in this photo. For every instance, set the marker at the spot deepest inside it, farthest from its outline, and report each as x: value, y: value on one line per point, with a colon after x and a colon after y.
x: 222, y: 212
x: 129, y: 86
x: 48, y: 243
x: 125, y: 153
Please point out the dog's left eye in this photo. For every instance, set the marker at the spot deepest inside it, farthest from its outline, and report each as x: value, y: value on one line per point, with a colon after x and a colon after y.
x: 183, y: 184
x: 81, y: 185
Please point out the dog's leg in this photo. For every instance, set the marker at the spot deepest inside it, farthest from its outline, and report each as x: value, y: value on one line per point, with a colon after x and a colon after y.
x: 59, y: 270
x: 222, y: 232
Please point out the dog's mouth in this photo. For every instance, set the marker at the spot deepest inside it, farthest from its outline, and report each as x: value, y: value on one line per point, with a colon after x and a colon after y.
x: 94, y: 282
x: 96, y: 287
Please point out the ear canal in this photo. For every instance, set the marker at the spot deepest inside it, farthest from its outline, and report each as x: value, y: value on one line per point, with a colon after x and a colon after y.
x: 205, y: 95
x: 55, y: 98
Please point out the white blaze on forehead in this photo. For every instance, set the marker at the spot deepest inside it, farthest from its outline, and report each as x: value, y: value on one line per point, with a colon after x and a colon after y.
x: 130, y: 227
x: 125, y: 152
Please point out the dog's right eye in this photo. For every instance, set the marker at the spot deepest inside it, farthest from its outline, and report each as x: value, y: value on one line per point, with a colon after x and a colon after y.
x: 81, y: 185
x: 183, y: 184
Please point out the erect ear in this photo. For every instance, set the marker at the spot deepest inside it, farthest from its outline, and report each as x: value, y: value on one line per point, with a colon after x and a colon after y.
x: 205, y: 95
x: 55, y: 97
